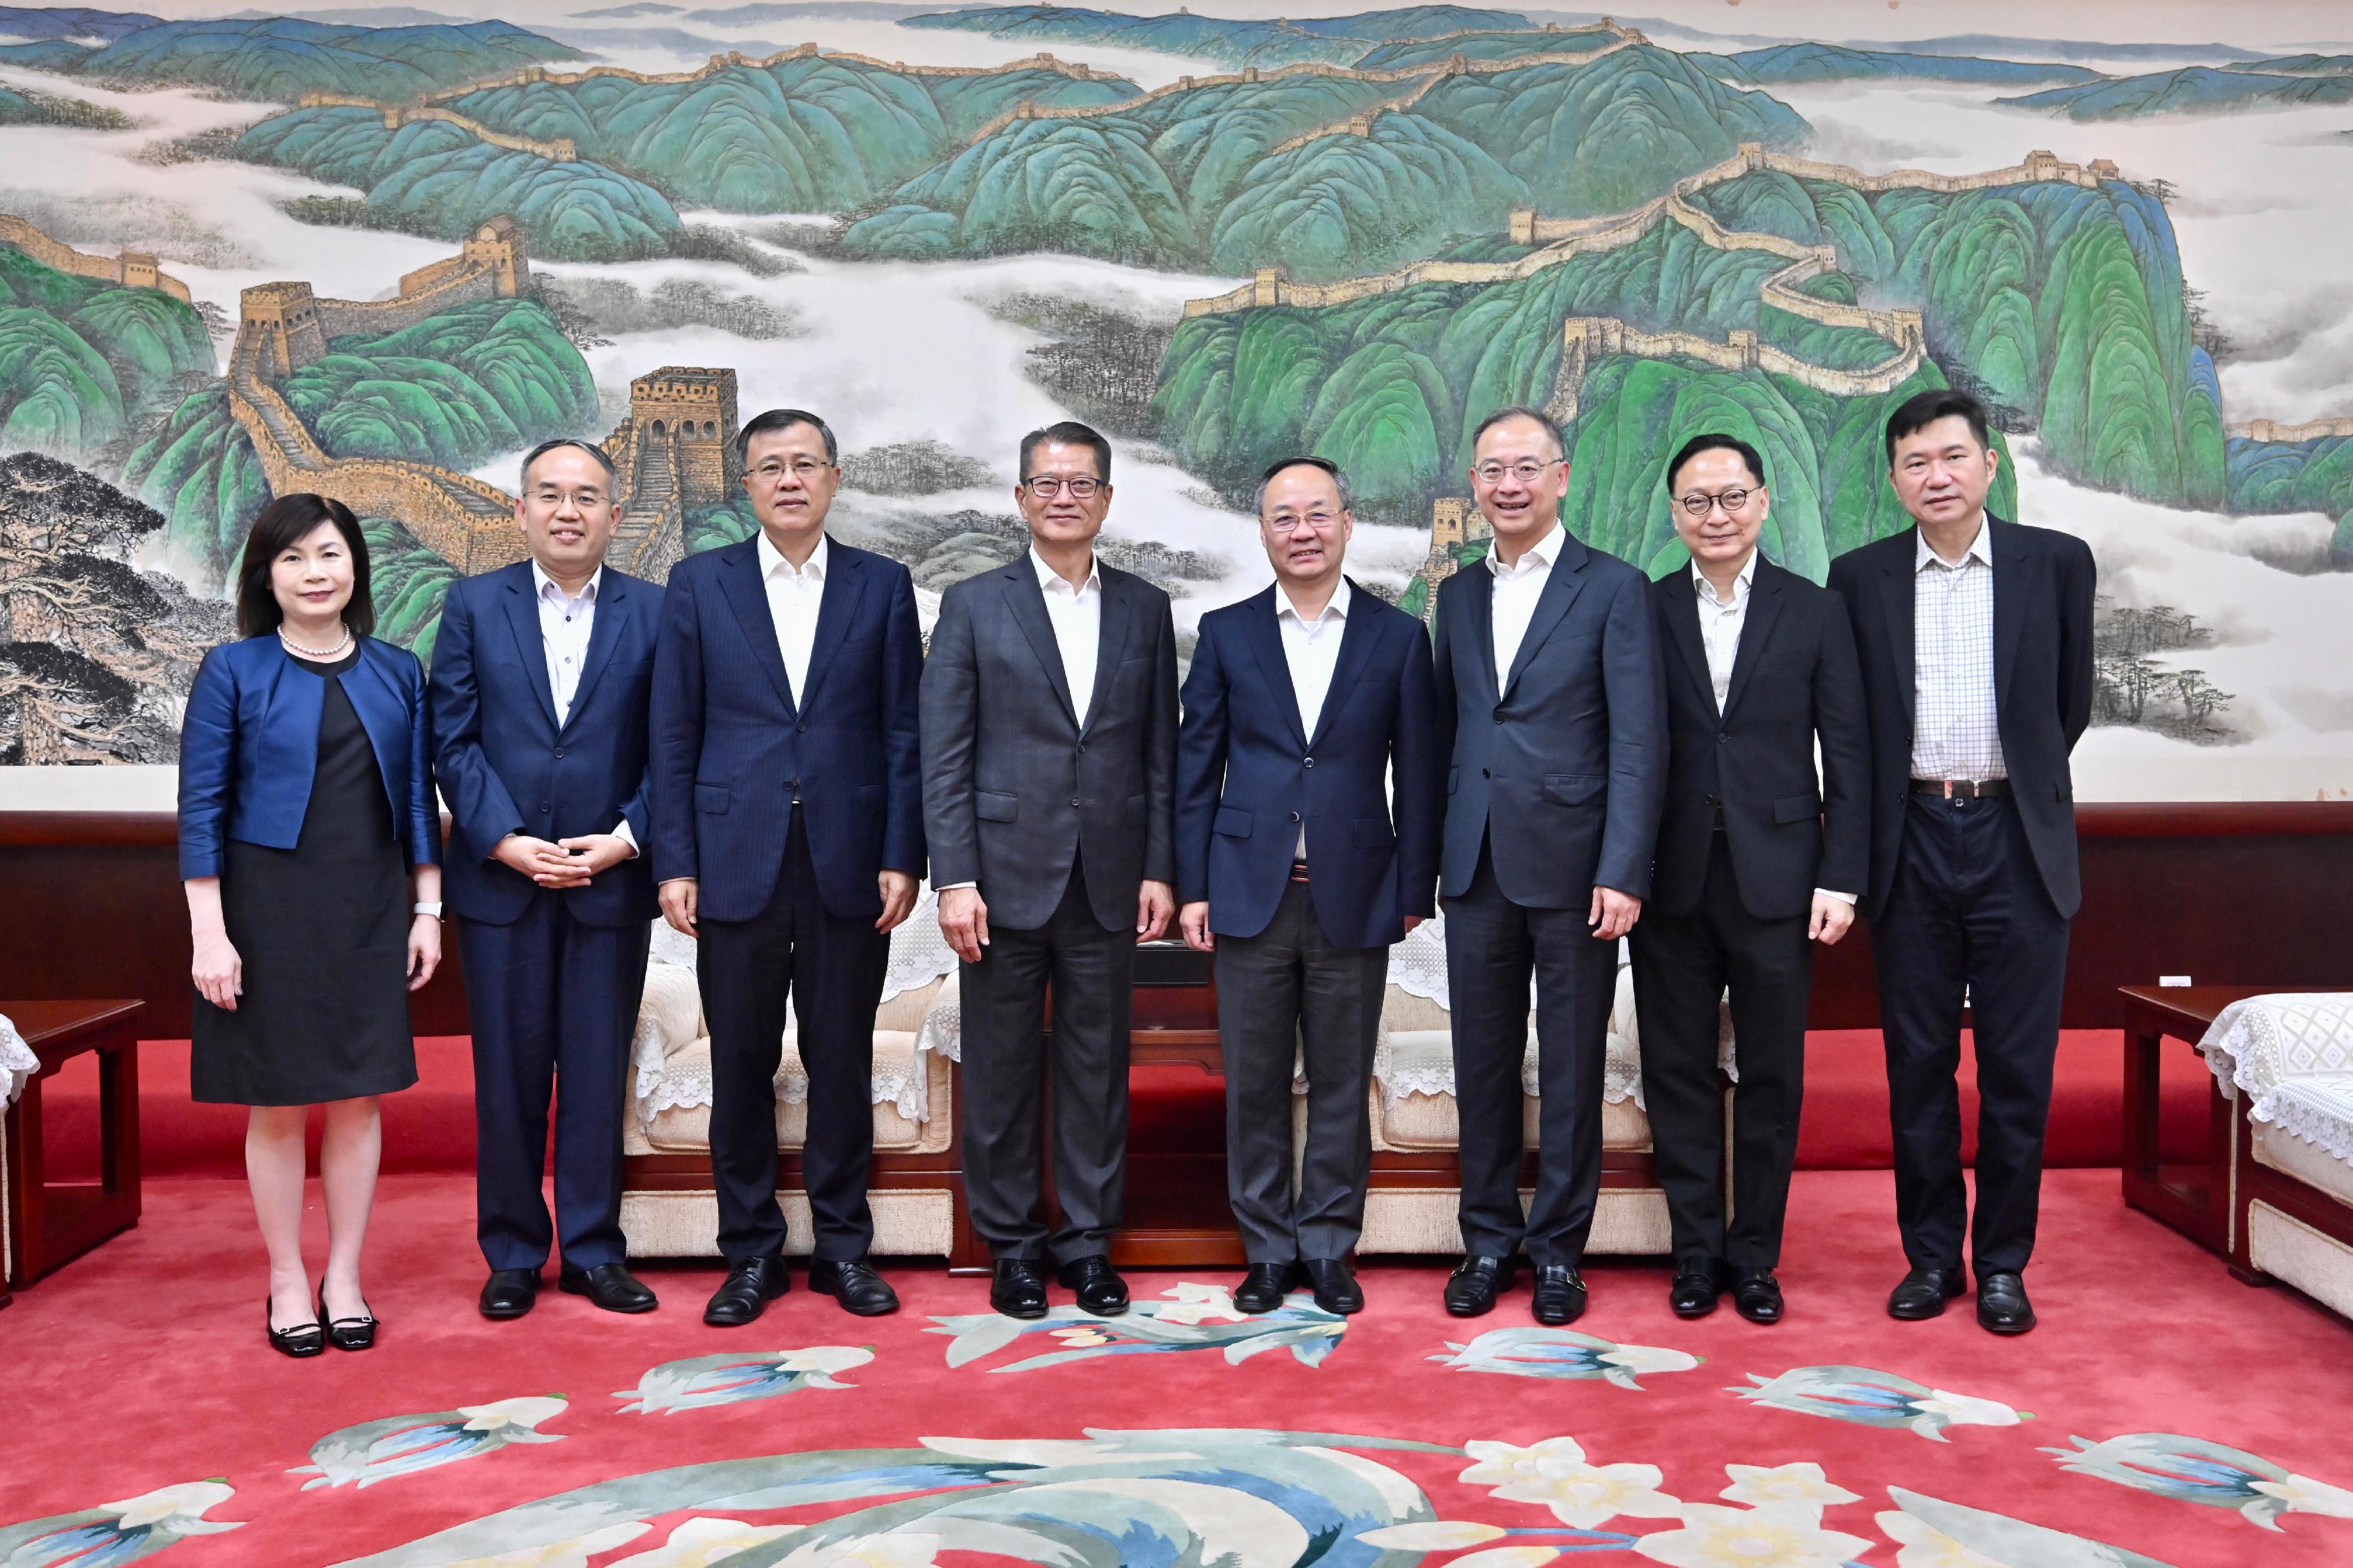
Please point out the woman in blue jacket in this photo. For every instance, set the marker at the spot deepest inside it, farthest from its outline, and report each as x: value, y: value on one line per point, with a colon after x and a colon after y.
x: 306, y: 809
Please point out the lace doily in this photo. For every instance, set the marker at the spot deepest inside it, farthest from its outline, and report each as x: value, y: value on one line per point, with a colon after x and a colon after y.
x: 18, y: 1062
x: 2286, y: 1052
x: 2319, y: 1111
x: 1418, y: 965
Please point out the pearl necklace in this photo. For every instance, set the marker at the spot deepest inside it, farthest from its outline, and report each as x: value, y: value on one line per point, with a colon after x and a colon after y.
x: 293, y: 646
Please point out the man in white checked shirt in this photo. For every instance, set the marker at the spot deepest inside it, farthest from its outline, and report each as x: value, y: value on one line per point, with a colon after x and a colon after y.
x: 1975, y: 639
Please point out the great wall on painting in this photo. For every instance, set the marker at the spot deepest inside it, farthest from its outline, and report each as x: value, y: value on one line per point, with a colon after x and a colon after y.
x: 131, y: 268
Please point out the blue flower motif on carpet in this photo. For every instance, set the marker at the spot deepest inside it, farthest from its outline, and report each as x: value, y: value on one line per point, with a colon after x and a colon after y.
x: 1869, y: 1398
x: 2195, y: 1470
x: 116, y: 1533
x: 377, y: 1451
x: 1933, y: 1532
x: 1195, y: 1318
x: 701, y: 1380
x: 1562, y: 1352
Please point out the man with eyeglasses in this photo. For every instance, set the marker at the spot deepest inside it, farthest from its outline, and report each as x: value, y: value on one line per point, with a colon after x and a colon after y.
x: 1049, y: 751
x: 1552, y: 711
x: 540, y: 674
x: 1756, y: 859
x: 788, y: 839
x: 1303, y: 701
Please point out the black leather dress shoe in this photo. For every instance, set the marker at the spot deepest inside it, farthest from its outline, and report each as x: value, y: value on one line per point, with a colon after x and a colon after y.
x: 1263, y: 1288
x: 301, y: 1342
x: 510, y: 1293
x: 1757, y: 1296
x: 1471, y: 1288
x: 1017, y: 1289
x: 609, y: 1285
x: 1559, y: 1295
x: 855, y: 1285
x: 1097, y: 1284
x: 1336, y: 1287
x: 1924, y: 1292
x: 2002, y: 1306
x: 1697, y: 1285
x: 752, y: 1284
x: 356, y: 1334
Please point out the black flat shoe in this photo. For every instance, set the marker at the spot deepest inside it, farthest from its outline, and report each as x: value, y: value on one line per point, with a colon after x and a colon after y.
x: 1757, y: 1296
x: 301, y: 1342
x: 1017, y: 1289
x: 1559, y: 1295
x: 1097, y: 1285
x: 1923, y: 1293
x: 348, y: 1333
x: 855, y: 1285
x: 752, y: 1283
x: 509, y: 1292
x: 1695, y: 1288
x: 1471, y: 1288
x: 1263, y: 1288
x: 609, y: 1285
x: 1336, y: 1287
x: 2002, y: 1306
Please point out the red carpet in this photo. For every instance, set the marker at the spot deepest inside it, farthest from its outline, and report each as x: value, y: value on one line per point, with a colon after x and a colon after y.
x: 141, y: 1368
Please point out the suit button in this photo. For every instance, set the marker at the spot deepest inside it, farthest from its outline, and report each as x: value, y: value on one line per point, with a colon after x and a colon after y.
x: 1082, y: 748
x: 1074, y: 800
x: 542, y: 808
x: 1724, y: 737
x: 1485, y: 774
x: 1499, y: 715
x: 1712, y: 801
x: 1306, y: 762
x: 559, y: 756
x: 1294, y: 816
x: 800, y: 729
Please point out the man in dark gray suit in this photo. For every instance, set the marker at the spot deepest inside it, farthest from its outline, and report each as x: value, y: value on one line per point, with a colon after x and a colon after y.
x: 1551, y: 707
x: 1050, y: 752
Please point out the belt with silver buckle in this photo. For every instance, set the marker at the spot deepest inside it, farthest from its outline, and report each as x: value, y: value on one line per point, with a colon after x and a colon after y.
x: 1961, y: 789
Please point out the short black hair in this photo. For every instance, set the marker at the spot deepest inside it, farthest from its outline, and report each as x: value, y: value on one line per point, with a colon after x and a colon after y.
x: 604, y: 460
x: 1521, y: 411
x: 1923, y: 409
x: 784, y: 420
x: 1068, y: 433
x: 281, y: 523
x: 1339, y: 480
x: 1717, y: 442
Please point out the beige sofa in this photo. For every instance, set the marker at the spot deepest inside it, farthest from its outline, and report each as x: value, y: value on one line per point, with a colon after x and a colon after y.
x: 2286, y: 1063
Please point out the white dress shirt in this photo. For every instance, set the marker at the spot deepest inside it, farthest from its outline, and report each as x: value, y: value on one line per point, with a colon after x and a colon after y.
x: 1312, y: 649
x: 1517, y: 589
x: 566, y: 622
x: 795, y: 595
x: 1956, y: 730
x: 1076, y: 616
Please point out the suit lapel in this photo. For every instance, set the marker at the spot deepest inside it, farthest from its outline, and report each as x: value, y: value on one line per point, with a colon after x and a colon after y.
x: 1263, y: 626
x: 1357, y: 634
x: 2009, y: 597
x: 1897, y: 594
x: 1560, y: 590
x: 1111, y: 642
x: 531, y: 643
x: 1684, y: 636
x: 1482, y: 595
x: 837, y: 611
x: 749, y: 597
x: 1756, y: 630
x: 1028, y: 603
x: 604, y: 631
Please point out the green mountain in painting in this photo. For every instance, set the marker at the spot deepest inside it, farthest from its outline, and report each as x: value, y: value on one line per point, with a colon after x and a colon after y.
x: 80, y: 359
x: 1794, y: 63
x: 283, y: 57
x: 1335, y: 40
x: 56, y: 22
x: 437, y: 179
x: 21, y: 106
x: 408, y: 582
x: 454, y: 389
x: 2195, y: 90
x: 2297, y: 65
x: 2296, y: 475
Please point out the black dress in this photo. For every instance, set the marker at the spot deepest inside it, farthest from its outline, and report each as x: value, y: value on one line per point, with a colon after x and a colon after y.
x: 322, y: 931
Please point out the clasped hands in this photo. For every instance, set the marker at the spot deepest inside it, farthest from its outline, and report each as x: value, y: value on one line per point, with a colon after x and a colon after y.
x: 564, y: 863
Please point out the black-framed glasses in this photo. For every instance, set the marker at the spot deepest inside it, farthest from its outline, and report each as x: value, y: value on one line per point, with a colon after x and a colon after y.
x: 1046, y: 487
x: 1699, y: 505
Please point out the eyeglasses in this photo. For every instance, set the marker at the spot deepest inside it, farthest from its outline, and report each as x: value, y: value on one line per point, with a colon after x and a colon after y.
x: 1318, y: 520
x: 581, y: 498
x: 802, y: 468
x: 1698, y: 505
x: 1526, y: 473
x: 1046, y: 487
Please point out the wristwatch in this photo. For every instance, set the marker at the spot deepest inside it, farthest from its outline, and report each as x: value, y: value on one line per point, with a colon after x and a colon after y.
x: 433, y: 908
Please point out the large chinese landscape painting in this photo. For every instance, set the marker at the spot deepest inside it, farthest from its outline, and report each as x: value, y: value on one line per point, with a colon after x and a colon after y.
x: 380, y: 252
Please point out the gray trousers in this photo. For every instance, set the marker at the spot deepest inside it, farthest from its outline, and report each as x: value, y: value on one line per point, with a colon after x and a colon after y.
x: 1289, y: 989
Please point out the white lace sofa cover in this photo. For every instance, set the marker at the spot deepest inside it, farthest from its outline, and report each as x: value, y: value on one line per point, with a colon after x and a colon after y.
x: 2290, y: 1054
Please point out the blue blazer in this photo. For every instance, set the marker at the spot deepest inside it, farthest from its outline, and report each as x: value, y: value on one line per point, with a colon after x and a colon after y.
x: 249, y: 746
x: 1246, y: 776
x: 731, y: 746
x: 506, y: 767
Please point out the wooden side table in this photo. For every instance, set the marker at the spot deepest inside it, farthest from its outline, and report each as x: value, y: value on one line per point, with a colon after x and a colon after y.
x: 2193, y: 1199
x: 49, y: 1224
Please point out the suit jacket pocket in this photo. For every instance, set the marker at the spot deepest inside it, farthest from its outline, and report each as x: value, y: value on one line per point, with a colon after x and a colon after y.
x: 1573, y: 789
x: 1797, y: 808
x: 711, y: 798
x: 1372, y: 833
x: 1234, y: 822
x: 871, y: 799
x: 1453, y: 779
x: 991, y: 807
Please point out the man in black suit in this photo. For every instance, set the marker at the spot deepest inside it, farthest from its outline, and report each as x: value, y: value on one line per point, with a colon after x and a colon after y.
x: 1049, y: 751
x: 1551, y: 706
x: 540, y: 672
x: 1976, y: 641
x: 788, y: 839
x: 1755, y: 858
x: 1303, y: 701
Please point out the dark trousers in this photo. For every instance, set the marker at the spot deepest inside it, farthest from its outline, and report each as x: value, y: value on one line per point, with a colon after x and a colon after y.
x: 1492, y: 945
x: 831, y: 972
x: 1004, y: 998
x: 1682, y: 965
x: 554, y: 1005
x: 1969, y: 911
x: 1291, y: 992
